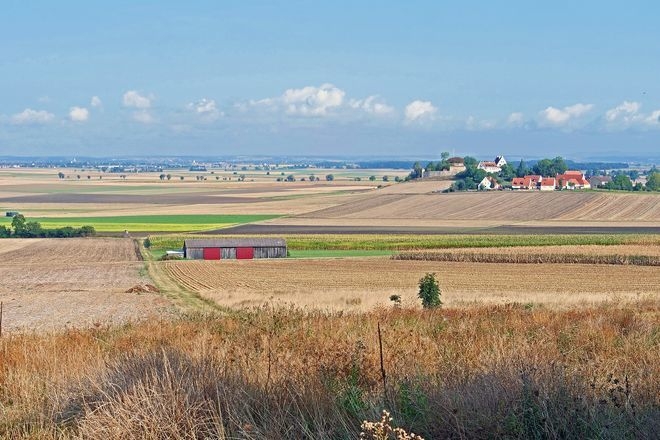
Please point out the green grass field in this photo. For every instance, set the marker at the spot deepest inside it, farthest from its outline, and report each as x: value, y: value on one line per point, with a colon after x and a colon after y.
x: 148, y: 223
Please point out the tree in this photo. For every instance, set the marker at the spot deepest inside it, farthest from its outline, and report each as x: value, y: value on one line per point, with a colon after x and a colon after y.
x: 5, y: 232
x: 386, y: 178
x: 507, y: 172
x: 620, y: 182
x: 429, y: 291
x: 444, y: 155
x: 162, y: 177
x: 470, y: 162
x: 169, y: 177
x: 18, y: 223
x: 290, y: 178
x: 372, y: 178
x: 60, y: 175
x: 417, y: 171
x: 329, y: 177
x: 653, y: 181
x: 522, y: 169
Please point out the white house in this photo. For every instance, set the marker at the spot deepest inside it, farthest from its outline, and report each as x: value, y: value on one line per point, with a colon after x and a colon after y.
x: 548, y: 184
x: 489, y: 183
x: 489, y: 167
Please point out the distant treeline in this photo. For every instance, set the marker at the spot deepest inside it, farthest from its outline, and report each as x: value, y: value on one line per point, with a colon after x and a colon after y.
x: 573, y: 165
x: 21, y: 228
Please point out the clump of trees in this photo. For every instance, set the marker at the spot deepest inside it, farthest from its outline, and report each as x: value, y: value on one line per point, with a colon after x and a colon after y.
x: 21, y: 228
x: 429, y: 291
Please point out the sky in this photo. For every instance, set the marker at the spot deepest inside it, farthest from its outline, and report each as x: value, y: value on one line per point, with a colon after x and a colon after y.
x: 318, y: 78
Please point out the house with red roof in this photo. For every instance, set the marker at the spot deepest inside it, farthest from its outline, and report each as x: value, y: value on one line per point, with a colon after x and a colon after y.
x: 548, y: 184
x: 572, y: 180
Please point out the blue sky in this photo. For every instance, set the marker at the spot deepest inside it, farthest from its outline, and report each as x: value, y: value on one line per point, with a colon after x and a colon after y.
x: 330, y: 78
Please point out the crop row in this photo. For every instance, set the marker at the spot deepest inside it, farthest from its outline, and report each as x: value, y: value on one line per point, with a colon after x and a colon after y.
x: 412, y: 242
x: 531, y: 258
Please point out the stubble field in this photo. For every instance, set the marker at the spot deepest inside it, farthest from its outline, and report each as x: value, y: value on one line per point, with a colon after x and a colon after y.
x: 55, y: 283
x: 365, y: 283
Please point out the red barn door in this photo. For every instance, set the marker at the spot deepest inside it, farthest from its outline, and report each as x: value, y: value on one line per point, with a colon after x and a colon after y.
x: 244, y: 253
x: 212, y: 253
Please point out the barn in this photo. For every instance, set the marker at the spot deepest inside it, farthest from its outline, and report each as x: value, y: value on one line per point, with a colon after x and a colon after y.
x: 234, y: 248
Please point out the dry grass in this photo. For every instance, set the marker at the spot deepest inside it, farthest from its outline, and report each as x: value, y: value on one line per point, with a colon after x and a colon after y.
x: 364, y: 283
x: 505, y: 371
x: 55, y: 283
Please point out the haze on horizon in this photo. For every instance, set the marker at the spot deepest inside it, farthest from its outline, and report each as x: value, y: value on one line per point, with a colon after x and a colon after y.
x: 329, y: 78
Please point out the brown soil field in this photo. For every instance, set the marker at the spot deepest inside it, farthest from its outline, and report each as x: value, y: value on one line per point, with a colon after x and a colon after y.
x: 55, y: 283
x: 512, y: 207
x: 364, y: 283
x: 649, y: 249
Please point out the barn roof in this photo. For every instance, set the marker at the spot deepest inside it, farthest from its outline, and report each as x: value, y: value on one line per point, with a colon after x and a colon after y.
x: 234, y: 242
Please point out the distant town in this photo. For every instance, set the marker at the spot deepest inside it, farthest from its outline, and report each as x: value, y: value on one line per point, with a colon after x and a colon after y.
x: 468, y: 173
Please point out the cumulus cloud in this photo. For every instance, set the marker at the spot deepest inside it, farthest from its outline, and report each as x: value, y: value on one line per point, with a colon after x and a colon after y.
x: 205, y: 108
x: 653, y: 118
x: 625, y: 111
x: 143, y: 117
x: 420, y: 110
x: 78, y: 114
x: 96, y: 102
x: 371, y: 104
x: 32, y: 117
x: 556, y: 116
x: 134, y: 100
x: 307, y: 101
x: 515, y: 118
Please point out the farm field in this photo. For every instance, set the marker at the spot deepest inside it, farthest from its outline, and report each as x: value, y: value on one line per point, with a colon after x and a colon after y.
x: 57, y: 283
x: 506, y: 206
x: 147, y: 223
x: 364, y: 283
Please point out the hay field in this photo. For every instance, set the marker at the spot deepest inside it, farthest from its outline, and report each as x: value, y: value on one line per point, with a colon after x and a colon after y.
x: 508, y: 206
x: 56, y: 283
x: 364, y: 283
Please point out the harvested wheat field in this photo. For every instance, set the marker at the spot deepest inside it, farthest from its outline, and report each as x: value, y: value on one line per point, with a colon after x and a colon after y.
x: 504, y: 205
x: 364, y: 283
x: 55, y: 283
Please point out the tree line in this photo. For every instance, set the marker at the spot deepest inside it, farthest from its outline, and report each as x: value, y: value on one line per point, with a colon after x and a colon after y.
x: 21, y: 228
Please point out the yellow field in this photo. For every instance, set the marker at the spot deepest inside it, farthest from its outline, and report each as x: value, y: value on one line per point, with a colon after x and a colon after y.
x: 363, y: 283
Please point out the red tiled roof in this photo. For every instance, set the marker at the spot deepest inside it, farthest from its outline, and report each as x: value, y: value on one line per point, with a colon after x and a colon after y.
x: 548, y: 181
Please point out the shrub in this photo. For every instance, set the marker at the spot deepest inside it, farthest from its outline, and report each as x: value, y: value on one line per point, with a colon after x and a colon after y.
x: 429, y: 291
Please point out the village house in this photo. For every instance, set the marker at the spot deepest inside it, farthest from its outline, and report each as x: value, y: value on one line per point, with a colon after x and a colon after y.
x: 599, y: 181
x: 492, y: 167
x: 489, y: 183
x: 572, y: 180
x: 548, y: 184
x: 528, y: 182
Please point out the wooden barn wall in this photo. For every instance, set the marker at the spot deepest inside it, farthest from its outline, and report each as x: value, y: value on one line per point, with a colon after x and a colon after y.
x: 230, y: 253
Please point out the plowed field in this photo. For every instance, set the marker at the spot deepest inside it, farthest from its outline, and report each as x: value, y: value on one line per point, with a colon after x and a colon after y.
x: 365, y: 283
x: 50, y: 283
x: 505, y: 206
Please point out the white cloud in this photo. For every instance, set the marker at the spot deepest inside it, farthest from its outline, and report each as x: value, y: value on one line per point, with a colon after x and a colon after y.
x: 143, y: 116
x: 206, y: 108
x: 625, y: 111
x: 32, y: 117
x: 419, y: 110
x: 96, y: 102
x: 371, y: 104
x: 134, y: 100
x: 516, y: 118
x: 653, y: 118
x: 78, y: 114
x: 556, y: 116
x: 307, y: 101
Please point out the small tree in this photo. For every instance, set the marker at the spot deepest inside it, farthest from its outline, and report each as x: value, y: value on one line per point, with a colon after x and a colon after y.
x: 329, y: 177
x: 429, y: 291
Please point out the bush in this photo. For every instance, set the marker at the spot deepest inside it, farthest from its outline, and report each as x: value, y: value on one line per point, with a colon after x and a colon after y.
x: 429, y: 291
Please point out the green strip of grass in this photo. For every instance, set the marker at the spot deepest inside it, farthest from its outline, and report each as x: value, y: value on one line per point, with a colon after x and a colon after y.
x: 149, y: 223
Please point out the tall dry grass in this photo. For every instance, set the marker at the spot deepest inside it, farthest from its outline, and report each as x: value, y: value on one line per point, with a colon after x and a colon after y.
x: 510, y: 371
